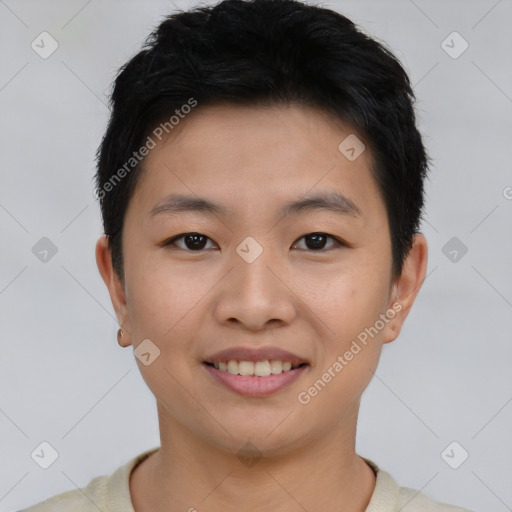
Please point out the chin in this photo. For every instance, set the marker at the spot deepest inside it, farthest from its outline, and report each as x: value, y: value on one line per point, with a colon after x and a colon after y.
x: 257, y: 440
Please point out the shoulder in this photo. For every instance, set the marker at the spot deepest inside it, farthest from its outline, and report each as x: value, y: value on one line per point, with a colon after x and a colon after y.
x: 88, y: 499
x: 109, y: 492
x: 411, y: 500
x: 389, y: 497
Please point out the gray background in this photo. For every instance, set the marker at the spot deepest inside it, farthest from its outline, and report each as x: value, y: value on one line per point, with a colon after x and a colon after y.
x: 64, y: 379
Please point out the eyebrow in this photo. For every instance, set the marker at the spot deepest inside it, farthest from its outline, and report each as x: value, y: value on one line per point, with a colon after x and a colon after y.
x: 328, y: 201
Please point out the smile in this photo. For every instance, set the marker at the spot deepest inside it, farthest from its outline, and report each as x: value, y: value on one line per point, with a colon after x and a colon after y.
x: 255, y: 378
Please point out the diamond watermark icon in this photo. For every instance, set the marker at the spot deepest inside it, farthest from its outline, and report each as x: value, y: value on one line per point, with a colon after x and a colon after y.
x: 454, y: 455
x: 44, y: 455
x: 454, y: 249
x: 249, y: 455
x: 44, y: 45
x: 454, y: 45
x: 351, y: 147
x: 146, y: 352
x: 44, y: 249
x: 249, y: 249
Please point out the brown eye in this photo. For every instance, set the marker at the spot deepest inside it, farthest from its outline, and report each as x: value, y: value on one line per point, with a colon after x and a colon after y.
x: 317, y: 241
x: 191, y: 241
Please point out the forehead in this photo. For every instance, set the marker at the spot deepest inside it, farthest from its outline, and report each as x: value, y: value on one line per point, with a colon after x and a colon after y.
x: 247, y: 159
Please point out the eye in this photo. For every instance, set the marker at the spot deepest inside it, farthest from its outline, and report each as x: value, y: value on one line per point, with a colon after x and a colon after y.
x: 317, y: 241
x: 193, y: 242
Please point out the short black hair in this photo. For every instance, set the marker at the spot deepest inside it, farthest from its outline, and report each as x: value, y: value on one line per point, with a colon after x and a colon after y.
x: 266, y: 52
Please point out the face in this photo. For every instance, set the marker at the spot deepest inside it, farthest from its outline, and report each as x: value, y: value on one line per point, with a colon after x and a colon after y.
x: 251, y: 276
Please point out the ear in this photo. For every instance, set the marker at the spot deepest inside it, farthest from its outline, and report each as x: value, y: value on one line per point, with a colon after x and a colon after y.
x: 114, y: 285
x: 407, y: 286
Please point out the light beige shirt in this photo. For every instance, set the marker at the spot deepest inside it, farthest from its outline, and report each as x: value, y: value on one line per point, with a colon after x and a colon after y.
x: 112, y: 494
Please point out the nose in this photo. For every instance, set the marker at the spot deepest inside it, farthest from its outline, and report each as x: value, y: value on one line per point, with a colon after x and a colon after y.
x: 254, y: 296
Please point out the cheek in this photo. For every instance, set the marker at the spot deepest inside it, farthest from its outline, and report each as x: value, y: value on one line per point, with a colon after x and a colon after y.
x: 352, y: 345
x: 160, y: 302
x: 351, y: 306
x: 350, y: 300
x: 163, y: 309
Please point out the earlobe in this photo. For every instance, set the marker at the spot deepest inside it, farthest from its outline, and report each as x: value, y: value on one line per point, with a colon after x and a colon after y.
x: 408, y: 285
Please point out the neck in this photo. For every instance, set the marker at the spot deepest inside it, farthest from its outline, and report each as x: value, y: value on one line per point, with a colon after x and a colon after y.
x: 190, y: 474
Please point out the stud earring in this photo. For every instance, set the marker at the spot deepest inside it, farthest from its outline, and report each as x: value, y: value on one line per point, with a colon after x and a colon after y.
x: 120, y: 334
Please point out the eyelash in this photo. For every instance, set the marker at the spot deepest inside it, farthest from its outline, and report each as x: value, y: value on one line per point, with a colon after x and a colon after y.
x: 338, y: 242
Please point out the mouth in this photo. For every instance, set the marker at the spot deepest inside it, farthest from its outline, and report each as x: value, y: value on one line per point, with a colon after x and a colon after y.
x: 255, y: 372
x: 260, y: 378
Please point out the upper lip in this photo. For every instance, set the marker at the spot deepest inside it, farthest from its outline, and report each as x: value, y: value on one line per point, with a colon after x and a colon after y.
x: 255, y: 354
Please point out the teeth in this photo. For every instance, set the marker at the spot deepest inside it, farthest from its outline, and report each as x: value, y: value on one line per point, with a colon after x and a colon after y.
x: 262, y: 369
x: 246, y: 368
x: 233, y: 367
x: 258, y: 369
x: 276, y: 367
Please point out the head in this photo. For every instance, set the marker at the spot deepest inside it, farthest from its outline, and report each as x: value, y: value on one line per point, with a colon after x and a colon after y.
x: 250, y: 106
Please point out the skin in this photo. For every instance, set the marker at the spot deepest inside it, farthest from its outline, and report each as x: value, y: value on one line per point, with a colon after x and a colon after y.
x: 311, y: 302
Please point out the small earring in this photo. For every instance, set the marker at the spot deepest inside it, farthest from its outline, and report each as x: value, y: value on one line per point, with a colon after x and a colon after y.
x: 120, y: 334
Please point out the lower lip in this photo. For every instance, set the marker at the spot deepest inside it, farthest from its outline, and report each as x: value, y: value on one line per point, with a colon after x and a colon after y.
x: 255, y: 386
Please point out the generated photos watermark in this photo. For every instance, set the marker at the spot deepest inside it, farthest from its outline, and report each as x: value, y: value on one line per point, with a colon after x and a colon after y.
x: 304, y: 397
x: 143, y: 151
